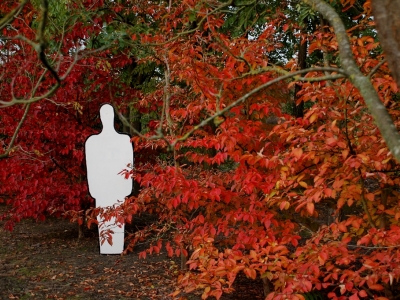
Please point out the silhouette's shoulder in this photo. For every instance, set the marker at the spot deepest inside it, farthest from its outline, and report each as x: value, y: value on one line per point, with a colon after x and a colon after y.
x: 125, y: 136
x: 91, y: 138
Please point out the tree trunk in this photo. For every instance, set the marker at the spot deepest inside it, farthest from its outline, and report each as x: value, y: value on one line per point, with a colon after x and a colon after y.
x: 298, y: 108
x: 81, y: 233
x: 387, y: 17
x: 266, y: 286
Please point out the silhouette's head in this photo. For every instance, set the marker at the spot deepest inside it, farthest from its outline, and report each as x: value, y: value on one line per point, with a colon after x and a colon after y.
x: 107, y: 116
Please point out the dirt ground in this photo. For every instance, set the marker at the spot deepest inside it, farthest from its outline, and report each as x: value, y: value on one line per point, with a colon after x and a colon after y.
x: 45, y: 260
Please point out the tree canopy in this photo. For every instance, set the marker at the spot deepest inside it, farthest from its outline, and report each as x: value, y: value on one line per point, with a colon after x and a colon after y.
x: 265, y: 133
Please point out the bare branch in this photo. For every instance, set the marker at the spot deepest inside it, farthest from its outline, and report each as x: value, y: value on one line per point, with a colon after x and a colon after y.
x: 11, y: 144
x: 12, y: 14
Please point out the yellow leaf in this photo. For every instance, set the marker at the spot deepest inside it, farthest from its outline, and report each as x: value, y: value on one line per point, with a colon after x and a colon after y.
x: 303, y: 184
x: 313, y: 117
x: 300, y: 177
x: 345, y: 153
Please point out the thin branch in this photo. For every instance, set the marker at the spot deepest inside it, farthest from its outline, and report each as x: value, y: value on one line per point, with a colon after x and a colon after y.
x: 352, y: 152
x: 374, y: 247
x: 11, y: 144
x: 158, y: 136
x: 63, y: 169
x: 12, y: 14
x: 376, y: 68
x: 14, y: 101
x: 125, y: 122
x: 21, y: 38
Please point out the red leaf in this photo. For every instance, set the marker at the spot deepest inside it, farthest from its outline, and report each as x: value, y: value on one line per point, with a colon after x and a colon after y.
x: 362, y: 293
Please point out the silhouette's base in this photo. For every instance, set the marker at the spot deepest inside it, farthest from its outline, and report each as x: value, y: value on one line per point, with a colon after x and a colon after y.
x: 107, y: 229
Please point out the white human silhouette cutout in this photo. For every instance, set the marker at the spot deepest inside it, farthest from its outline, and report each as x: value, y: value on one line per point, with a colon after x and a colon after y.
x: 107, y: 154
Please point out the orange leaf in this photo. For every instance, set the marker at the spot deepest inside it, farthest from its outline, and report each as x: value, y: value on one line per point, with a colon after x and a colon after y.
x: 328, y: 192
x: 342, y: 227
x: 297, y: 152
x: 376, y: 287
x: 310, y: 207
x: 345, y: 153
x: 313, y: 118
x: 250, y: 273
x: 369, y: 196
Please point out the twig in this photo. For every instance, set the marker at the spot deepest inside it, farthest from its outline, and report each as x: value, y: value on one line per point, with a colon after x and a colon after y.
x: 376, y: 68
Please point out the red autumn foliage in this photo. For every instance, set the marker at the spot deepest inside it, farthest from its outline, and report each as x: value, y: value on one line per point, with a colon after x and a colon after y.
x: 237, y: 183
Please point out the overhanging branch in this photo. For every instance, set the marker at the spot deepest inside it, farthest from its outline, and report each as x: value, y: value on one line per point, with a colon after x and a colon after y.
x: 259, y: 88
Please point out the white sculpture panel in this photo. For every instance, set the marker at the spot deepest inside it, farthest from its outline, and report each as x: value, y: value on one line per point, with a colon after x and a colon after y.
x: 107, y: 154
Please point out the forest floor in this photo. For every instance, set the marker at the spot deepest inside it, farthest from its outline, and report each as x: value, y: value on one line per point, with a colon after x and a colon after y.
x: 45, y: 260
